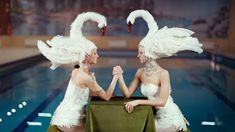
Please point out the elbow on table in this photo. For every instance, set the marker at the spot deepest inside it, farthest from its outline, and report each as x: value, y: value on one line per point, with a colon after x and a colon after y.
x: 107, y: 98
x: 160, y: 103
x: 127, y: 95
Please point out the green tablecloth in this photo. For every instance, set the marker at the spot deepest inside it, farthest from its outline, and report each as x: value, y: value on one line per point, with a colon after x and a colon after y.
x: 110, y: 116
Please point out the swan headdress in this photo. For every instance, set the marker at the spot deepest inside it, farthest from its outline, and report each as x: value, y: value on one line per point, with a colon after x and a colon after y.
x: 72, y: 49
x: 165, y: 41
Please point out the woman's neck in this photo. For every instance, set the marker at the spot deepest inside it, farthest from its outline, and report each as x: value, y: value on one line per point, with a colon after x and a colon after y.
x: 150, y: 67
x: 85, y: 68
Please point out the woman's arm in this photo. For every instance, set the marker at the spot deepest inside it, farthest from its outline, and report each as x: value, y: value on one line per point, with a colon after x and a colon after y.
x: 164, y: 92
x: 98, y: 90
x: 160, y: 101
x: 134, y: 84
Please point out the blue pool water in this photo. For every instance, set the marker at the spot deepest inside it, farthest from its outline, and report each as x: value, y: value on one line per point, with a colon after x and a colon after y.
x: 201, y: 93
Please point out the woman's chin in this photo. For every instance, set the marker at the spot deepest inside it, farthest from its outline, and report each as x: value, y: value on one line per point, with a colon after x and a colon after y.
x: 92, y: 63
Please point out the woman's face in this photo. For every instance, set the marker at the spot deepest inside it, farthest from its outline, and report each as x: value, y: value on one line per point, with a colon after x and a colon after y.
x: 93, y: 57
x: 141, y: 55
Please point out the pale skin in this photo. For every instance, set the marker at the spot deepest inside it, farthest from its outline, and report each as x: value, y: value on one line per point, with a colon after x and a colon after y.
x: 84, y: 79
x: 160, y: 77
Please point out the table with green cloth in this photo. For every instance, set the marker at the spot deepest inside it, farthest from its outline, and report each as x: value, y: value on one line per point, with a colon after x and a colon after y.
x: 111, y: 116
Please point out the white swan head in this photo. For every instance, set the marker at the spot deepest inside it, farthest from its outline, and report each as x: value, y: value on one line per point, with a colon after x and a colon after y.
x: 134, y: 14
x: 76, y: 26
x: 100, y: 19
x: 146, y: 42
x: 76, y: 29
x: 152, y: 25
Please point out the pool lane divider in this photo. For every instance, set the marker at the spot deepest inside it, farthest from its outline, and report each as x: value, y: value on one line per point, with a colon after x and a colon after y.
x: 30, y: 123
x: 23, y: 125
x: 44, y: 115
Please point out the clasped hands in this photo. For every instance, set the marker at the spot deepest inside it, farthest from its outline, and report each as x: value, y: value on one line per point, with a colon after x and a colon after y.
x: 129, y: 106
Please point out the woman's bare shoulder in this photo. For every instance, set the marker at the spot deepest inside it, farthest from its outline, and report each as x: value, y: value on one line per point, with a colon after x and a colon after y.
x: 78, y: 74
x: 164, y: 73
x: 75, y: 71
x: 140, y: 71
x: 80, y: 78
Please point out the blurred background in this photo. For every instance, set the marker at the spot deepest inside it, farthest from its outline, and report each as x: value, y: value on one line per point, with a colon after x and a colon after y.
x: 202, y: 84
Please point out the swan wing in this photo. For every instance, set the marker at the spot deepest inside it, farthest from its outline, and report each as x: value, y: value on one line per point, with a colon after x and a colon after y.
x: 168, y: 41
x: 59, y: 55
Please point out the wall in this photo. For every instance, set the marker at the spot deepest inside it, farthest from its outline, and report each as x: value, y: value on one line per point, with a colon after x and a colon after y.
x: 226, y: 45
x: 100, y: 41
x: 5, y: 16
x: 231, y: 39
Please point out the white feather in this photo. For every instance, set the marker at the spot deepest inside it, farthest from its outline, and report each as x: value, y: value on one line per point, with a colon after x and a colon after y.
x: 76, y: 26
x: 166, y: 41
x: 72, y: 49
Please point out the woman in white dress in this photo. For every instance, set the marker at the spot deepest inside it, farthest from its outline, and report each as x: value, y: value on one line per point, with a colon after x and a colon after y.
x: 154, y: 80
x: 69, y: 115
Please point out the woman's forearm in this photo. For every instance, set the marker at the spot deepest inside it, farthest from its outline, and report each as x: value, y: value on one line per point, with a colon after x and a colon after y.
x: 110, y: 90
x: 156, y: 102
x: 123, y: 87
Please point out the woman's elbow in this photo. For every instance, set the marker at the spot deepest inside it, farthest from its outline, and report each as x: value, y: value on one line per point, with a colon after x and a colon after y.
x: 107, y: 98
x: 127, y: 95
x: 160, y: 103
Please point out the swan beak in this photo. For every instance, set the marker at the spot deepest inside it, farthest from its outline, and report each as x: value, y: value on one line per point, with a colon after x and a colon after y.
x: 103, y: 30
x: 129, y: 27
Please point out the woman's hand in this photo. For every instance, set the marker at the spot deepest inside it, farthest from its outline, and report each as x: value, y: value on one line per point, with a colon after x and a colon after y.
x: 117, y: 70
x: 129, y: 106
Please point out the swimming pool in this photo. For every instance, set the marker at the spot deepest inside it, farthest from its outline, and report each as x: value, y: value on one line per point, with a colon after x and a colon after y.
x: 201, y: 93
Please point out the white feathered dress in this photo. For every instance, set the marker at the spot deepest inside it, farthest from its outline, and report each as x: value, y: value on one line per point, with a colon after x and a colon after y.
x: 168, y: 118
x: 70, y: 111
